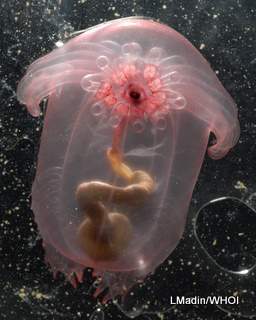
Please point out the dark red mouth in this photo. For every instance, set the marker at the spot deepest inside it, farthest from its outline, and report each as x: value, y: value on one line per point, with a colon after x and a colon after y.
x: 135, y: 95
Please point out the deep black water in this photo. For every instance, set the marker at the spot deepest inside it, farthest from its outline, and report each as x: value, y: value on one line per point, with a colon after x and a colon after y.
x: 209, y: 260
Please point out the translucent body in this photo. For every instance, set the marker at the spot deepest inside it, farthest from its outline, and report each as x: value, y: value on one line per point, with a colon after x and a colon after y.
x: 153, y: 77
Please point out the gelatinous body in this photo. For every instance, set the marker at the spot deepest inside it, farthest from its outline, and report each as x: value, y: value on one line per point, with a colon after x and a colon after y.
x: 131, y: 105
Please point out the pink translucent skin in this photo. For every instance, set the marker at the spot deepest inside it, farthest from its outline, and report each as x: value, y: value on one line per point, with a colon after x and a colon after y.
x: 87, y: 83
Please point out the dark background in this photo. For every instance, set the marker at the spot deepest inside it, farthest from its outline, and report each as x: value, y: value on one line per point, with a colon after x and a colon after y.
x: 217, y: 253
